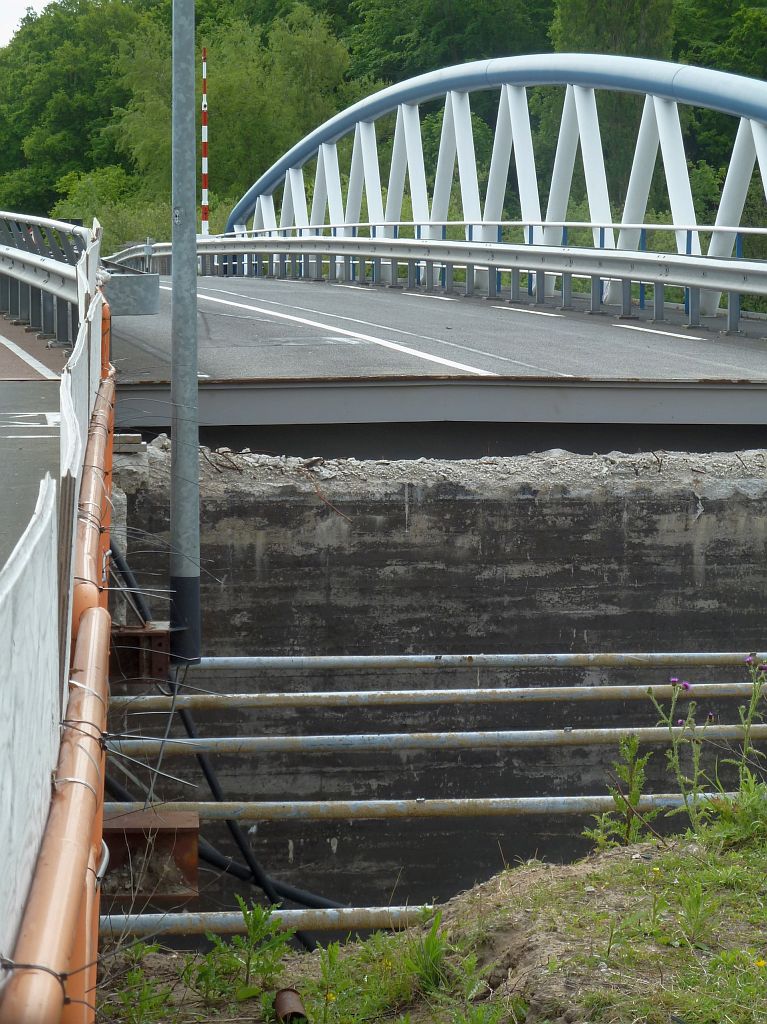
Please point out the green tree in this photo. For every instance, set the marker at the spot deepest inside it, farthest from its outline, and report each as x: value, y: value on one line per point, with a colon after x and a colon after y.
x: 57, y: 89
x: 395, y: 40
x: 634, y: 28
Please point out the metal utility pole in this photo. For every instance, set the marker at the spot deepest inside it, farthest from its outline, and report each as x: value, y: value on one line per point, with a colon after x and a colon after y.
x: 184, y: 474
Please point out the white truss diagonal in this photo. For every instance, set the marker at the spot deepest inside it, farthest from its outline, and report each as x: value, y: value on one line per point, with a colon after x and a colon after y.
x: 564, y: 165
x: 397, y: 174
x: 677, y: 176
x: 293, y: 211
x: 456, y: 141
x: 512, y: 132
x: 364, y: 177
x: 594, y: 164
x: 340, y: 202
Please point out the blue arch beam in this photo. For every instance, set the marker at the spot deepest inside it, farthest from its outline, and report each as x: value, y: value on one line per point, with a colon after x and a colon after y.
x: 716, y: 90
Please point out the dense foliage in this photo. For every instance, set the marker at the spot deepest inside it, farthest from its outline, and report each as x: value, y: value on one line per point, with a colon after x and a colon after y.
x: 85, y: 87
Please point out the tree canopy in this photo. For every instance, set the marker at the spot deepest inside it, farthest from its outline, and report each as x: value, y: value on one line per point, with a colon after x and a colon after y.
x: 85, y: 86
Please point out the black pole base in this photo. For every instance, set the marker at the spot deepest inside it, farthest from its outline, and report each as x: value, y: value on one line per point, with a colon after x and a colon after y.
x: 185, y: 633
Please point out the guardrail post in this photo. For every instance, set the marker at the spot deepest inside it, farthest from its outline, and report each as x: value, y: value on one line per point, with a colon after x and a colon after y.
x: 567, y: 291
x: 13, y: 298
x: 25, y: 300
x: 492, y: 283
x: 282, y: 266
x: 62, y: 322
x: 447, y: 277
x: 515, y: 294
x: 693, y: 307
x: 626, y: 313
x: 48, y: 316
x: 596, y: 295
x: 332, y: 270
x: 540, y: 287
x: 429, y: 276
x: 74, y: 317
x: 35, y: 308
x: 317, y: 274
x: 5, y: 287
x: 469, y: 290
x: 394, y: 274
x: 375, y: 270
x: 362, y: 277
x: 658, y: 302
x: 411, y: 275
x: 733, y: 313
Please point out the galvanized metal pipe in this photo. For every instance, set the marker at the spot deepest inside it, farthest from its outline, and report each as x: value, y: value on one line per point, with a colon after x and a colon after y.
x: 232, y: 922
x: 184, y: 468
x: 380, y: 742
x: 384, y: 662
x: 389, y: 698
x: 380, y: 810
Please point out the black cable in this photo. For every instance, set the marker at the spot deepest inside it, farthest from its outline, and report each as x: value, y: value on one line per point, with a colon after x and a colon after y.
x: 259, y: 876
x: 211, y: 855
x: 130, y: 581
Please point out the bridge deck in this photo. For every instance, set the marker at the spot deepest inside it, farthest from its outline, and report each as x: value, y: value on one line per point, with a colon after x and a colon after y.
x: 283, y: 352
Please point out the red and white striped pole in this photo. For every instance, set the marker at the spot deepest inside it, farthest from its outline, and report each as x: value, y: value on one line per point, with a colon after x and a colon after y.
x: 204, y: 204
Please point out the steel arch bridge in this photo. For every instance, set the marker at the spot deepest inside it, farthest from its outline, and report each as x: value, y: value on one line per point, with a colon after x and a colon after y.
x: 278, y: 204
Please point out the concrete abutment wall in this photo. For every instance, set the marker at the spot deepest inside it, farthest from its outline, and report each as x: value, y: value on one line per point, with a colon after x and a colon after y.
x: 547, y: 552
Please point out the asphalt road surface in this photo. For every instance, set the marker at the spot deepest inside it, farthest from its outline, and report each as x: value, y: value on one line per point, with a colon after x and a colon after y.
x: 251, y: 328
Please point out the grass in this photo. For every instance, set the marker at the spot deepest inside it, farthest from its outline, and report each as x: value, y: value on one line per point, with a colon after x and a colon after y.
x: 645, y: 933
x: 654, y: 932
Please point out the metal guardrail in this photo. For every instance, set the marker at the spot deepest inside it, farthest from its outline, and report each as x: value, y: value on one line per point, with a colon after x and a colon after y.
x: 39, y: 284
x: 494, y: 269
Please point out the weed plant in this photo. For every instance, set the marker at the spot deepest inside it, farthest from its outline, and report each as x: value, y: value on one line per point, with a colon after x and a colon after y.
x: 670, y: 931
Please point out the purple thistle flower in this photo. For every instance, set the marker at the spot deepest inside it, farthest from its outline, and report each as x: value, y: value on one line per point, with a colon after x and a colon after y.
x: 685, y: 685
x: 680, y: 721
x: 674, y: 680
x: 761, y: 668
x: 750, y: 659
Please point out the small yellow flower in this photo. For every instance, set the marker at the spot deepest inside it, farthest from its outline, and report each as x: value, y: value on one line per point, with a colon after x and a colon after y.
x: 760, y: 962
x: 656, y: 869
x: 330, y: 997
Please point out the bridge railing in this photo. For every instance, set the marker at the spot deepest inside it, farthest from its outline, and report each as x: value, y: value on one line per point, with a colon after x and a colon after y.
x: 39, y: 262
x: 496, y: 268
x: 48, y: 281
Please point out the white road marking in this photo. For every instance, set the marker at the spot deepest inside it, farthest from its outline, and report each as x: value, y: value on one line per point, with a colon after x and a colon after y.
x: 666, y: 334
x: 425, y: 295
x: 393, y: 346
x: 529, y: 312
x: 31, y: 362
x: 399, y: 330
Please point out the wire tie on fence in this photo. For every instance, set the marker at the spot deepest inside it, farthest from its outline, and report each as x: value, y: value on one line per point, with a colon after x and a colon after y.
x: 88, y: 689
x: 82, y: 782
x: 76, y: 725
x: 88, y: 754
x: 11, y: 965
